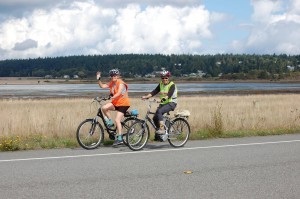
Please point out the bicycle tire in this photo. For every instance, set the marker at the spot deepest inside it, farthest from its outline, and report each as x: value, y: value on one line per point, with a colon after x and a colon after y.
x: 178, y: 132
x: 126, y: 124
x: 138, y: 135
x: 89, y: 134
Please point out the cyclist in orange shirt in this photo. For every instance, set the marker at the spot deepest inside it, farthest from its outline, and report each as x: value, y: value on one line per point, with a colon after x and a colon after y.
x: 120, y: 101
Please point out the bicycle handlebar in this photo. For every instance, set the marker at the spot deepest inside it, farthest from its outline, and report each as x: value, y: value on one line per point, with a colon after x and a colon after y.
x: 99, y: 99
x: 150, y: 102
x: 153, y: 100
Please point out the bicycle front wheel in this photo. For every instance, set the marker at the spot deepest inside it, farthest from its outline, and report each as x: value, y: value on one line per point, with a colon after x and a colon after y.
x: 137, y: 135
x: 126, y: 124
x: 179, y: 132
x: 89, y: 134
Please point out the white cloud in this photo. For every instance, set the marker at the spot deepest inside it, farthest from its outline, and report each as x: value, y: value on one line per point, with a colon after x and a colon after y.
x: 275, y: 28
x: 87, y: 28
x: 59, y: 28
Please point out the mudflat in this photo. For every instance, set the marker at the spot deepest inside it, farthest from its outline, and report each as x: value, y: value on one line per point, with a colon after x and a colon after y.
x: 39, y: 80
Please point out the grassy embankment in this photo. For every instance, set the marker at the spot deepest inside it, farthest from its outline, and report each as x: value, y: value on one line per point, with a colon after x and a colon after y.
x: 51, y: 123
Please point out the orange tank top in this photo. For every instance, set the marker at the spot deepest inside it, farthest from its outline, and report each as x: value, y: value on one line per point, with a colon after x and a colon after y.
x: 123, y: 99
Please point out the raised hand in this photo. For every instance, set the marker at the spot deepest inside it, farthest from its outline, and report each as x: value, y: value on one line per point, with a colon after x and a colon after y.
x: 98, y: 75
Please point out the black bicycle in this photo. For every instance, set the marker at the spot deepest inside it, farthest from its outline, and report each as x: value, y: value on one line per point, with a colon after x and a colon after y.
x: 90, y: 132
x: 177, y: 129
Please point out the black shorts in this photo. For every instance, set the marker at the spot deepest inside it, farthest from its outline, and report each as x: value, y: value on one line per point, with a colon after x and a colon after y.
x: 122, y: 109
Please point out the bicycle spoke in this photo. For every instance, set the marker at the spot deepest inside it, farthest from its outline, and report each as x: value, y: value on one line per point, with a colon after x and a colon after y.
x: 89, y: 135
x: 137, y: 136
x: 126, y: 124
x: 179, y: 132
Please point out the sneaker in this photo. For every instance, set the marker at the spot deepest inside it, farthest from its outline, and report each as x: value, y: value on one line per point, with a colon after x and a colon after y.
x: 160, y: 131
x: 117, y: 142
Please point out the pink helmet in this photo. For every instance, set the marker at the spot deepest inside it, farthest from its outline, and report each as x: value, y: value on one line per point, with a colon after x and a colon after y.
x: 165, y: 73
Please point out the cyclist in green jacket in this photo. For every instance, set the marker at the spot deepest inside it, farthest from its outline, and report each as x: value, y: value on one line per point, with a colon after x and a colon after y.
x: 168, y: 95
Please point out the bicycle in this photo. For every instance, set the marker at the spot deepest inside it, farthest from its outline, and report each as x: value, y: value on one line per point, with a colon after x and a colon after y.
x: 90, y: 132
x: 177, y: 130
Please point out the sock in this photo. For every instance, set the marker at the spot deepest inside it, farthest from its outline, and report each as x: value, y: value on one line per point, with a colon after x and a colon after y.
x: 120, y: 137
x: 109, y: 121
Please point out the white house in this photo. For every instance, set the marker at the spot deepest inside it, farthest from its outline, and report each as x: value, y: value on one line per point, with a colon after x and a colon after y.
x: 291, y: 68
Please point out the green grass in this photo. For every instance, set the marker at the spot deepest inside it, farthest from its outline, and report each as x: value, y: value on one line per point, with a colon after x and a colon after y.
x: 33, y: 142
x: 38, y: 141
x: 206, y: 134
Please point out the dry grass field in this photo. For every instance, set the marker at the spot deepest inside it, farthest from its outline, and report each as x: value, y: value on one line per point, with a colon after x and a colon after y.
x: 224, y: 115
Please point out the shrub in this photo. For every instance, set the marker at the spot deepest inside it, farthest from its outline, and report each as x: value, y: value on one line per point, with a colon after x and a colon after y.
x: 9, y: 143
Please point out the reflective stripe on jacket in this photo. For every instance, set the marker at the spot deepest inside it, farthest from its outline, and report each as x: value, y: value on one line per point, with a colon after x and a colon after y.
x: 123, y: 99
x: 164, y: 89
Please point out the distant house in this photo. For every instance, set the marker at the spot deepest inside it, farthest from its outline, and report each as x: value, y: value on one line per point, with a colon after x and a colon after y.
x: 156, y: 73
x: 200, y: 73
x: 291, y: 68
x: 149, y: 75
x: 75, y: 76
x: 137, y: 75
x: 66, y: 76
x: 48, y: 77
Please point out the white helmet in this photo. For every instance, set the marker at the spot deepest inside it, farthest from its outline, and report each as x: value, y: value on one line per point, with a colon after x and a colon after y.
x: 114, y: 72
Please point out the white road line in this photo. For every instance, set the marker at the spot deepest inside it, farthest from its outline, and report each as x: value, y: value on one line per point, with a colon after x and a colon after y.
x: 152, y: 151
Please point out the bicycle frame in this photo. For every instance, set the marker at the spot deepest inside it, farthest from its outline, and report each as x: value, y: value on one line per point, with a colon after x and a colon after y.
x: 109, y: 130
x: 176, y: 130
x: 150, y: 120
x: 90, y: 132
x: 168, y: 121
x: 147, y: 118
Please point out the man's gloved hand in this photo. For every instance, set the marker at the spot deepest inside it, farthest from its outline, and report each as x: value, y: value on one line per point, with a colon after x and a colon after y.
x: 163, y: 100
x: 110, y: 95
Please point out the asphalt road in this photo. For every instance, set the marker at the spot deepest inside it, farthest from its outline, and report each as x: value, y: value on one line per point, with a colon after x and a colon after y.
x: 256, y: 167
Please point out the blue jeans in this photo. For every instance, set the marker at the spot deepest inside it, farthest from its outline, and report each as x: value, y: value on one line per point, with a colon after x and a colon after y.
x: 161, y: 109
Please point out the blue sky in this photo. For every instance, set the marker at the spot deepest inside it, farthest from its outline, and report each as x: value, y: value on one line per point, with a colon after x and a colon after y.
x: 50, y: 28
x: 239, y: 13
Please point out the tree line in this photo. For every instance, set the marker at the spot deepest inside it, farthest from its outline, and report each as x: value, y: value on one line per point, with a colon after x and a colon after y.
x: 228, y: 66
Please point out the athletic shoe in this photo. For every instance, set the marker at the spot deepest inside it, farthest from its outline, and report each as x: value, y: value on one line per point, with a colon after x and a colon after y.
x: 160, y: 131
x: 117, y: 142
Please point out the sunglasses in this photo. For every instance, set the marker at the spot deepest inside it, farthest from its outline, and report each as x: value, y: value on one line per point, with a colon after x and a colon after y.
x: 113, y: 76
x: 164, y: 78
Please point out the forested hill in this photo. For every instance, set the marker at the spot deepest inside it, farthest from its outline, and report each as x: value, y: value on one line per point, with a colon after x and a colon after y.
x: 225, y: 65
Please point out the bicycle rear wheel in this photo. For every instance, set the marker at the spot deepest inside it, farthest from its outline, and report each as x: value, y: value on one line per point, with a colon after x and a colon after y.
x: 137, y: 135
x: 89, y: 134
x: 179, y: 132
